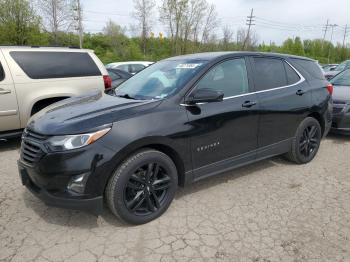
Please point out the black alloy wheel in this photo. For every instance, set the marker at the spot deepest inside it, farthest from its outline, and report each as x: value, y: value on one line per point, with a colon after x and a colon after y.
x: 309, y: 141
x: 142, y: 187
x: 306, y: 142
x: 146, y: 189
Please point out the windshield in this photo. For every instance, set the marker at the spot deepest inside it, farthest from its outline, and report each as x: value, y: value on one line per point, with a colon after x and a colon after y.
x: 342, y: 79
x: 160, y: 80
x: 341, y: 66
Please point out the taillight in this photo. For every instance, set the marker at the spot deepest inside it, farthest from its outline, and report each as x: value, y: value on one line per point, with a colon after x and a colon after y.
x: 108, y: 82
x: 330, y: 89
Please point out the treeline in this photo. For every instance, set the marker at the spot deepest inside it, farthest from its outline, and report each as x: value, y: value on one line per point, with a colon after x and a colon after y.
x: 191, y: 26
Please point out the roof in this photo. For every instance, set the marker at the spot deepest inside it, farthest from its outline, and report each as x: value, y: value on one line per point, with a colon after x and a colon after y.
x: 214, y: 55
x: 43, y: 48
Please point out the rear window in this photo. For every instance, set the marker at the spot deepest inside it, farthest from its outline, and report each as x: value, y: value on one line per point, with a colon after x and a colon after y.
x: 270, y: 73
x: 311, y: 68
x: 2, y: 73
x: 43, y: 65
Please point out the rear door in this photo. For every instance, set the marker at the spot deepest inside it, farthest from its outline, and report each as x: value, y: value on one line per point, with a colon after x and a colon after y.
x: 224, y: 133
x: 9, y: 115
x: 284, y: 98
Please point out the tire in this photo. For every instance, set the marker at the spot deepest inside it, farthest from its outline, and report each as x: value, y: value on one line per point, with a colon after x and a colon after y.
x: 306, y: 142
x: 142, y: 187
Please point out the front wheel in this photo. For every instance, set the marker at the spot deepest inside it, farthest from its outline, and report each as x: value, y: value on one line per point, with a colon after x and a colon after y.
x: 306, y: 142
x: 142, y: 187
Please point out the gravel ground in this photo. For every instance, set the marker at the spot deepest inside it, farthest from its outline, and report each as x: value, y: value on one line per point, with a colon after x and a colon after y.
x: 269, y: 211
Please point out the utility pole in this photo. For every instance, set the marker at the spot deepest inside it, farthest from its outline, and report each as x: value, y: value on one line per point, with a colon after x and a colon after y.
x: 330, y: 46
x: 345, y: 34
x: 249, y: 23
x: 78, y: 18
x: 325, y: 32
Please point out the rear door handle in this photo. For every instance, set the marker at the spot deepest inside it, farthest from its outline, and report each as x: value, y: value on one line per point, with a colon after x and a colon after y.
x: 249, y: 104
x: 300, y: 92
x: 4, y: 91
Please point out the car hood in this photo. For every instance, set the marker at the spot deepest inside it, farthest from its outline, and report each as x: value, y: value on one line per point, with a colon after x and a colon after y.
x: 86, y: 113
x: 341, y: 93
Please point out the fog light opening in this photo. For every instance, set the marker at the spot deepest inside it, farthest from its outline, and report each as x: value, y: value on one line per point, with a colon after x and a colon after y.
x: 77, y: 183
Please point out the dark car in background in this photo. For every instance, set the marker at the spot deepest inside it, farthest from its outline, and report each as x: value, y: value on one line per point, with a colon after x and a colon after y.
x: 341, y: 67
x: 341, y: 103
x: 329, y: 67
x: 176, y: 122
x: 118, y: 77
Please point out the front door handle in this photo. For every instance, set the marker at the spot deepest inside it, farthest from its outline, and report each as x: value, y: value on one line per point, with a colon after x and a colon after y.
x: 300, y: 92
x: 249, y: 104
x: 4, y: 91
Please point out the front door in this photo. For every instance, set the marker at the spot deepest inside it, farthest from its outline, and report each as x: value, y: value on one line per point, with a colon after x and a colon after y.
x: 224, y: 133
x: 9, y: 115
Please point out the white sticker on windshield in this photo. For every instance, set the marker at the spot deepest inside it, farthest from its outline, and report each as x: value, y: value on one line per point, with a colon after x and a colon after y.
x: 188, y: 66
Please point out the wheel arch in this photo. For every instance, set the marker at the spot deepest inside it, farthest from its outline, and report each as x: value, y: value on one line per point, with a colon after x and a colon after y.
x: 320, y: 120
x: 44, y: 102
x: 161, y: 144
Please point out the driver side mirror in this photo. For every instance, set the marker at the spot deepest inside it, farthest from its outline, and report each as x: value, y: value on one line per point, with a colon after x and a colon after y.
x: 205, y: 95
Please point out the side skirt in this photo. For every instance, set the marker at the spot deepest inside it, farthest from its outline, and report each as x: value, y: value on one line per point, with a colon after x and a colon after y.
x: 241, y: 160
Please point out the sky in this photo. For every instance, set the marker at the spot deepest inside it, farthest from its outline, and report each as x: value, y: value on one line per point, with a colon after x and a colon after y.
x: 275, y: 20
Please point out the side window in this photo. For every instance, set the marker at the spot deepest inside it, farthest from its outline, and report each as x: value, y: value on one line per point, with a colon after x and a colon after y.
x: 113, y: 75
x: 309, y: 69
x: 135, y: 68
x: 44, y: 65
x: 230, y: 77
x: 123, y: 67
x: 269, y: 74
x: 2, y: 73
x: 292, y: 76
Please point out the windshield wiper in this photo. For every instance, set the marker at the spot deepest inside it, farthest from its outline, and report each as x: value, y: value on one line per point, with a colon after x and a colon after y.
x: 127, y: 96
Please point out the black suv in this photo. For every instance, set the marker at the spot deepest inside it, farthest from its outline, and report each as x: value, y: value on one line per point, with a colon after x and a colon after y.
x: 178, y: 121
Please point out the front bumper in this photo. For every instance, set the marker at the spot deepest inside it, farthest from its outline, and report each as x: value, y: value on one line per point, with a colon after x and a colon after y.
x: 93, y: 205
x: 341, y: 119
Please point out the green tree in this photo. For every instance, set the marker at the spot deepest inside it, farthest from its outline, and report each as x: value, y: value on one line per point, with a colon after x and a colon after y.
x: 19, y: 24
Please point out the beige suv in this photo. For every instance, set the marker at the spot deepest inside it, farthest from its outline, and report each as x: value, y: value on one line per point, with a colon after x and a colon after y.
x: 32, y: 78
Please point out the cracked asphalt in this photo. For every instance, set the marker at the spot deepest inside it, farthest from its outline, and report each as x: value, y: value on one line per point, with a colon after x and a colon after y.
x: 269, y: 211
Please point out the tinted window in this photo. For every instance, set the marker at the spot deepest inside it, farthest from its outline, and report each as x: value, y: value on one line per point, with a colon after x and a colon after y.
x: 41, y: 65
x: 123, y: 67
x: 113, y: 75
x: 308, y: 67
x: 269, y: 74
x: 135, y: 68
x: 2, y: 73
x: 292, y: 76
x: 229, y: 77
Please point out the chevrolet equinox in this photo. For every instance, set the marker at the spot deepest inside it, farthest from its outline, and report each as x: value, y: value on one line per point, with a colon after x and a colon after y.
x: 176, y: 122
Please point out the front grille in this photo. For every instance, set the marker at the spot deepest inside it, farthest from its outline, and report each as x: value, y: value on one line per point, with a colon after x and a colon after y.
x: 31, y: 147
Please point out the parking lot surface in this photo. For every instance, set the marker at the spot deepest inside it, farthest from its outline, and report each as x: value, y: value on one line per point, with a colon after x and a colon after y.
x: 269, y: 211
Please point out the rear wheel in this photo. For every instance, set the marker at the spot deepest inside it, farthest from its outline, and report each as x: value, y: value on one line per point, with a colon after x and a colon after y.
x: 307, y: 141
x: 142, y: 187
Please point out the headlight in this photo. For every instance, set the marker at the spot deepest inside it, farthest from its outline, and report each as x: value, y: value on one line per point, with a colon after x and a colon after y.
x: 63, y: 143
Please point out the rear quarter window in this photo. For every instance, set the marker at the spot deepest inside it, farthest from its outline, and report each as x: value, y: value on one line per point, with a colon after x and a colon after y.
x: 310, y: 69
x: 292, y: 76
x: 44, y: 65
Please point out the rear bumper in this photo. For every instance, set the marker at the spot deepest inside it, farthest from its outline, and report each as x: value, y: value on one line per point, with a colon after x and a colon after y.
x: 93, y: 205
